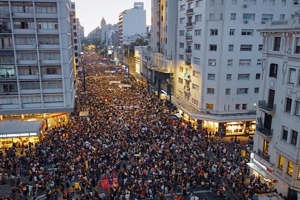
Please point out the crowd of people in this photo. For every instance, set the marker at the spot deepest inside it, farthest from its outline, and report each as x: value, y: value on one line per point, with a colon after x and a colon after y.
x: 127, y: 136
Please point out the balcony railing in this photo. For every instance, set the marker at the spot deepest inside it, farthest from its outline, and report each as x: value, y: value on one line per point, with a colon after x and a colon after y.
x: 188, y: 51
x: 188, y: 62
x: 188, y: 37
x: 261, y: 154
x: 189, y: 24
x: 189, y: 11
x: 269, y: 107
x: 263, y: 130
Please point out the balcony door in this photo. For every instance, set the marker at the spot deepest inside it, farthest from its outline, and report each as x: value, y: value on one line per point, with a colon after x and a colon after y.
x: 268, y: 121
x: 271, y: 97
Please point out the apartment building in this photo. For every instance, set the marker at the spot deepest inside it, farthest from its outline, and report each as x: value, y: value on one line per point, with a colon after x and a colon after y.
x: 277, y: 141
x: 132, y: 21
x: 218, y: 67
x: 36, y: 60
x: 75, y: 35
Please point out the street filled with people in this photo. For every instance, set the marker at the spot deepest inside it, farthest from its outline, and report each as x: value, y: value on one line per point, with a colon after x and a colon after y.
x: 126, y: 147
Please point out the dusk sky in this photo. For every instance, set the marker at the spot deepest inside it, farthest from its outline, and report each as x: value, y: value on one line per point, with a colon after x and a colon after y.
x: 90, y: 12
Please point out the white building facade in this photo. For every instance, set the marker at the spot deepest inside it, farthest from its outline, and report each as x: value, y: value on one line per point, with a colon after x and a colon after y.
x: 76, y: 37
x: 277, y: 140
x: 36, y: 58
x: 218, y: 54
x: 132, y: 21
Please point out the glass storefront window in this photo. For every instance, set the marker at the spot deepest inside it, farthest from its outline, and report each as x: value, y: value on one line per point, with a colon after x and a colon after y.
x: 290, y: 168
x: 298, y: 175
x: 266, y: 148
x: 281, y: 162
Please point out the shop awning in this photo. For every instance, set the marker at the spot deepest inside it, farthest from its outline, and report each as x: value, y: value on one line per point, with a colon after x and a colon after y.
x: 176, y: 116
x: 17, y: 128
x: 258, y: 169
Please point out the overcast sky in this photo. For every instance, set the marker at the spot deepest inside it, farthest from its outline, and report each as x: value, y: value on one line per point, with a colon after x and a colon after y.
x: 90, y: 12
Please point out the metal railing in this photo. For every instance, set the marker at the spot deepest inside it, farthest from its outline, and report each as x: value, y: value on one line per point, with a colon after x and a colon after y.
x: 261, y: 154
x: 189, y: 24
x: 263, y: 130
x: 188, y: 51
x: 190, y: 10
x: 188, y: 37
x: 263, y: 104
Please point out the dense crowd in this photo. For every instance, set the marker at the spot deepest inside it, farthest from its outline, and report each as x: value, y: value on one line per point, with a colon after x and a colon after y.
x: 127, y: 137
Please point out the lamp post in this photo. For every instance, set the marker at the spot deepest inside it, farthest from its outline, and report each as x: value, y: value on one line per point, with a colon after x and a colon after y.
x: 83, y: 71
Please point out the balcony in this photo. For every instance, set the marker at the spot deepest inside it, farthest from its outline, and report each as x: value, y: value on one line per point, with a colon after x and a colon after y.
x: 189, y: 11
x: 188, y: 37
x: 188, y: 51
x: 261, y: 154
x: 266, y: 132
x: 189, y: 25
x: 158, y: 43
x: 268, y: 108
x: 188, y: 62
x: 189, y: 0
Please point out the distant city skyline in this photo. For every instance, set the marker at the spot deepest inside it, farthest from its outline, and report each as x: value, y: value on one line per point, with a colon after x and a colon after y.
x: 90, y: 12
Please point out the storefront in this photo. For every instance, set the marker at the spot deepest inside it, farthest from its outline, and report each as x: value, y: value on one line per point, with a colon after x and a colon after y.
x: 18, y: 133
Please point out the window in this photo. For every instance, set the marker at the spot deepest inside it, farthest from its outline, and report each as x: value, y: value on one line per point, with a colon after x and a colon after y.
x: 267, y: 17
x: 250, y: 2
x: 294, y: 137
x: 233, y: 16
x: 199, y: 3
x: 51, y: 70
x: 260, y: 47
x: 228, y: 77
x: 230, y: 47
x: 297, y: 108
x: 256, y: 90
x: 285, y: 132
x: 237, y: 106
x: 182, y: 20
x: 212, y: 62
x: 242, y: 91
x: 231, y: 31
x: 276, y: 46
x: 195, y: 87
x: 243, y: 76
x: 295, y: 2
x: 47, y: 24
x: 249, y: 16
x: 290, y: 168
x: 181, y: 45
x: 247, y: 32
x: 210, y: 90
x: 229, y: 62
x: 198, y: 18
x: 31, y: 99
x: 51, y: 98
x: 280, y: 162
x: 210, y: 106
x: 28, y: 70
x: 244, y: 106
x: 211, y: 76
x: 50, y: 55
x: 49, y: 8
x: 196, y: 60
x: 281, y: 17
x: 268, y: 2
x: 288, y: 105
x: 297, y: 49
x: 257, y: 76
x: 292, y: 76
x: 211, y: 17
x: 181, y: 57
x: 283, y: 2
x: 196, y: 74
x: 245, y: 62
x: 213, y: 47
x: 52, y: 84
x: 181, y: 69
x: 273, y: 70
x: 213, y: 31
x: 180, y: 80
x: 246, y: 47
x: 259, y: 62
x: 197, y: 46
x: 181, y: 33
x: 198, y: 32
x: 182, y: 7
x: 29, y: 85
x: 194, y: 101
x: 227, y: 91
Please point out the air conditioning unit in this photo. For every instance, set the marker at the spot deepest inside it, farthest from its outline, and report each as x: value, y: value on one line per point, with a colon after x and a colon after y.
x: 245, y: 6
x: 263, y: 22
x: 245, y: 21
